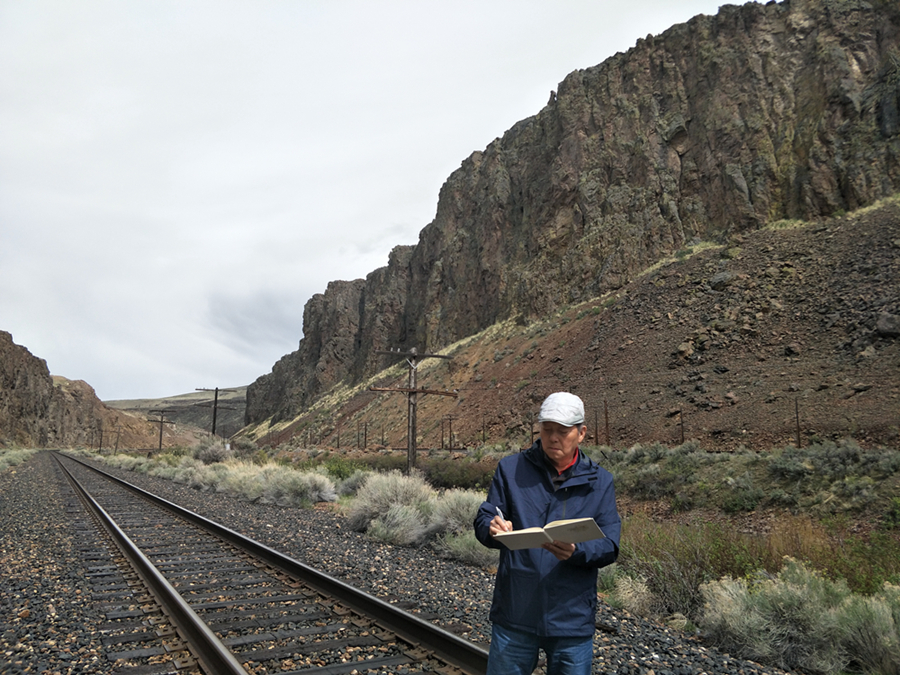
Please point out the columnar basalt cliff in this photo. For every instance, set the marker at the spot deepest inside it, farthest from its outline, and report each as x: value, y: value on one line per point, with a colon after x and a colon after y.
x: 715, y: 127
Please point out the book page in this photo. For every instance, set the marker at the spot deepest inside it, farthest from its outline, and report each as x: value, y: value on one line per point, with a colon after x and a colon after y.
x: 530, y: 537
x: 573, y: 531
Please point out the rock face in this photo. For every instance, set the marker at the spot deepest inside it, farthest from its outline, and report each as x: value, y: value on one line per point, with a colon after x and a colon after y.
x: 38, y: 410
x: 34, y: 412
x: 715, y: 127
x: 26, y: 395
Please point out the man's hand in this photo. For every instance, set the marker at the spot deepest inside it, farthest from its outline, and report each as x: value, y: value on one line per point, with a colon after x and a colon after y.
x: 560, y: 549
x: 499, y: 525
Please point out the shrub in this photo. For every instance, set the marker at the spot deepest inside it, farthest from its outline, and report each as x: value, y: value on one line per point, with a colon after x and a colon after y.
x: 744, y: 496
x: 244, y: 448
x: 788, y: 621
x: 606, y: 578
x: 126, y: 462
x: 15, y: 457
x: 212, y: 450
x: 401, y: 524
x: 381, y: 491
x: 857, y: 491
x: 639, y: 454
x: 352, y: 483
x: 833, y: 461
x: 870, y: 631
x: 465, y: 547
x: 385, y: 463
x: 891, y: 518
x: 634, y: 595
x: 675, y: 560
x: 458, y: 473
x: 801, y: 620
x: 340, y: 468
x: 287, y: 487
x: 454, y: 511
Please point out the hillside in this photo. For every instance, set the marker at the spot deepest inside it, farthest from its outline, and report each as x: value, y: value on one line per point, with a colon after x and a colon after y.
x: 195, y: 409
x: 706, y: 133
x: 798, y: 320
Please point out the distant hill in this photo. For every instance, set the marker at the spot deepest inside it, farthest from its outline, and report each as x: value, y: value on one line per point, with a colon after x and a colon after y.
x: 195, y: 409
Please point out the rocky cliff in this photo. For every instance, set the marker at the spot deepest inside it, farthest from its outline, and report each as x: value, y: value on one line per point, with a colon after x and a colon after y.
x: 715, y: 127
x: 29, y: 403
x: 38, y: 410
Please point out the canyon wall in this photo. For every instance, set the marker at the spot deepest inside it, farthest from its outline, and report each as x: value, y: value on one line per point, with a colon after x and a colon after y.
x: 763, y: 112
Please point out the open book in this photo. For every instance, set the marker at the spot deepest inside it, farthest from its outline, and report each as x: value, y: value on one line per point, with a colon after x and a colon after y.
x: 569, y: 531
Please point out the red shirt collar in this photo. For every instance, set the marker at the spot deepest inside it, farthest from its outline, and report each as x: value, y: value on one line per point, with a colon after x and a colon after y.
x: 572, y: 463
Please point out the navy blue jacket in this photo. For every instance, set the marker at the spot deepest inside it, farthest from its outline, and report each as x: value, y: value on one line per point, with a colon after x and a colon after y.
x: 535, y: 592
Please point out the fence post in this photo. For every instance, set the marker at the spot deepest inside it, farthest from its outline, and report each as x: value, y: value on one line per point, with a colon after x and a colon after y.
x: 606, y: 418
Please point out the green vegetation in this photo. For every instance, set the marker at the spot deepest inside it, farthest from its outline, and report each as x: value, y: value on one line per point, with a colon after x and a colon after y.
x: 800, y: 619
x: 266, y: 482
x: 14, y: 457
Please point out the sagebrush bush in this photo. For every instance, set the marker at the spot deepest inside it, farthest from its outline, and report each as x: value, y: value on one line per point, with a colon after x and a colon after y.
x: 891, y: 518
x: 127, y: 462
x: 634, y: 595
x: 790, y: 621
x: 801, y: 620
x: 381, y: 491
x: 460, y: 473
x: 454, y: 511
x: 14, y: 457
x: 870, y: 631
x: 289, y: 487
x: 352, y: 483
x: 212, y: 450
x: 401, y: 524
x: 832, y: 461
x: 645, y: 454
x: 465, y: 547
x: 244, y: 448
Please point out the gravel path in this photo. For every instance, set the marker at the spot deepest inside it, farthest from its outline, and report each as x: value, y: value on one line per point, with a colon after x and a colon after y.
x: 49, y: 626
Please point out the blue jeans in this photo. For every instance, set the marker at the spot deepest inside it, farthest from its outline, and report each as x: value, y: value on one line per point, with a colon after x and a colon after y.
x: 514, y: 652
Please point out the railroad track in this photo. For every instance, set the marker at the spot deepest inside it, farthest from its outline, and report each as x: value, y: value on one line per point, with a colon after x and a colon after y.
x: 193, y: 596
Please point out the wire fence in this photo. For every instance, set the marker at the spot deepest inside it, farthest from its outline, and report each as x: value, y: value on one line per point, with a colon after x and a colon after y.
x: 868, y: 411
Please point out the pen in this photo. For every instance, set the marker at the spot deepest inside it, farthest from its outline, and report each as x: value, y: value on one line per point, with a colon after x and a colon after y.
x: 500, y: 513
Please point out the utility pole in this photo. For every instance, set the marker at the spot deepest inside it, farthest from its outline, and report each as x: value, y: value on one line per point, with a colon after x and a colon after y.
x: 450, y: 434
x: 162, y: 420
x: 215, y: 405
x: 412, y: 358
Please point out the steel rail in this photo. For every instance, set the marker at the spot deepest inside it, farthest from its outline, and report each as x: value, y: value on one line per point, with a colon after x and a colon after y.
x: 462, y: 654
x: 213, y: 656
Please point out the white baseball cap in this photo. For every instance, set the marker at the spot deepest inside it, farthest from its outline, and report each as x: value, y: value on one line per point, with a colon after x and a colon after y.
x: 563, y: 408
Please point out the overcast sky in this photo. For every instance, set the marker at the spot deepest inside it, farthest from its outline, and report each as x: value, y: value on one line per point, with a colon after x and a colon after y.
x: 178, y: 178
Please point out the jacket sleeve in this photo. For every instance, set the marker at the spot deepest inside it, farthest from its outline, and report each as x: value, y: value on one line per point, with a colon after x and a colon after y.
x: 602, y: 552
x: 487, y: 510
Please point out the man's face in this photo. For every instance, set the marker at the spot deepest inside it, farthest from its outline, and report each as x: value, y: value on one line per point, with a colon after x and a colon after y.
x: 560, y: 442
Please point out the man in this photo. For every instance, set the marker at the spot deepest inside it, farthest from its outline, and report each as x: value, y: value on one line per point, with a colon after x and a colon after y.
x: 546, y: 598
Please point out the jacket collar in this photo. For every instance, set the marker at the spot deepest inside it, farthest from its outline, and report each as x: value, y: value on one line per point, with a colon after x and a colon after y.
x: 583, y: 468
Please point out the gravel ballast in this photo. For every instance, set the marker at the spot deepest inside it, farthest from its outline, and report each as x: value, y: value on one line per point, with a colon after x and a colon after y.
x: 49, y: 626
